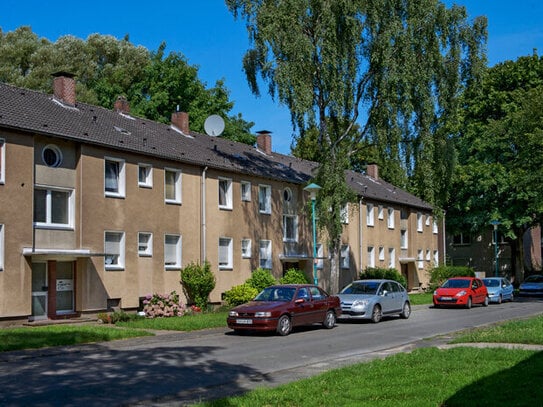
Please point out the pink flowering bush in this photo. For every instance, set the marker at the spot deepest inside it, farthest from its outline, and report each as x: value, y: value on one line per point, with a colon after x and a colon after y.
x: 163, y: 305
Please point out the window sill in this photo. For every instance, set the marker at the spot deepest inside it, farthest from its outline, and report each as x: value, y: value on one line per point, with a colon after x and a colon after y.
x: 170, y: 202
x: 53, y: 226
x: 226, y: 268
x: 172, y: 268
x: 145, y: 186
x: 114, y: 195
x: 225, y: 208
x: 114, y: 268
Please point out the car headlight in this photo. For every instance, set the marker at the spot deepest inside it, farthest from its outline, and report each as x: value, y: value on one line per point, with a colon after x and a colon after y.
x: 461, y: 293
x: 359, y: 305
x: 262, y: 314
x: 233, y: 313
x: 435, y: 292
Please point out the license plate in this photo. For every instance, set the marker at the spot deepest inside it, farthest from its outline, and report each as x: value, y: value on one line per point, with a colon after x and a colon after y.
x: 244, y: 321
x: 446, y: 298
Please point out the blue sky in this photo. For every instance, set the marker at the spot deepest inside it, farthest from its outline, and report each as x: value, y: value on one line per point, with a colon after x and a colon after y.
x: 207, y: 34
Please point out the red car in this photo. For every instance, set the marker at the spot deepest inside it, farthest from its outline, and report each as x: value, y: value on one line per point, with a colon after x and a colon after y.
x: 281, y: 307
x: 464, y: 291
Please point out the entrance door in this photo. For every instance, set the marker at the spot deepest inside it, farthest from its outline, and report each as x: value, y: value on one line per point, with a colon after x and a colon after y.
x: 64, y: 287
x: 39, y: 290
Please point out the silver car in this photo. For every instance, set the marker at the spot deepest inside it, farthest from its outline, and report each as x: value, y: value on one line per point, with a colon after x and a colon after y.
x: 372, y: 299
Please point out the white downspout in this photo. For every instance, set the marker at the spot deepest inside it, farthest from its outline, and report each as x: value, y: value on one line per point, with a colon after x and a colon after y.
x: 203, y: 219
x: 359, y: 237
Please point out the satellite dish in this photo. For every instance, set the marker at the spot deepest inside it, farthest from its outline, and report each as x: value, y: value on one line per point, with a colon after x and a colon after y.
x: 214, y: 125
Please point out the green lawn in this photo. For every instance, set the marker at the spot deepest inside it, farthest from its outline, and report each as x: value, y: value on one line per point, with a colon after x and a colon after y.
x: 61, y: 335
x: 190, y: 322
x: 421, y: 298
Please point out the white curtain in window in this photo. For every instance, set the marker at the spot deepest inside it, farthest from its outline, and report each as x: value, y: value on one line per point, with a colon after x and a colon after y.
x: 170, y: 249
x: 224, y: 245
x: 223, y: 186
x: 169, y: 179
x: 112, y: 176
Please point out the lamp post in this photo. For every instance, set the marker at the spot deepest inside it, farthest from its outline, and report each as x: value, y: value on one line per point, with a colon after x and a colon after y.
x: 495, y: 223
x: 313, y: 189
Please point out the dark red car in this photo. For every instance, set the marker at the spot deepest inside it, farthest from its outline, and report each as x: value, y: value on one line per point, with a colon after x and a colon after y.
x: 282, y: 307
x: 464, y: 291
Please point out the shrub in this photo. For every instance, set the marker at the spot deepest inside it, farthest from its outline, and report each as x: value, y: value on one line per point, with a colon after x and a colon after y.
x: 439, y: 274
x: 240, y: 294
x: 163, y: 305
x: 198, y: 281
x: 114, y: 317
x: 260, y: 279
x: 294, y: 276
x: 389, y: 274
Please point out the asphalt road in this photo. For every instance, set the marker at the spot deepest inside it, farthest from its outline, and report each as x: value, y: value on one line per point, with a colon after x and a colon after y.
x: 173, y: 369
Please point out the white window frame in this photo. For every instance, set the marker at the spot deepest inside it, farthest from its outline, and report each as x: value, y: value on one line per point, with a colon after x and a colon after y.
x: 381, y: 253
x: 177, y: 186
x: 390, y: 218
x: 428, y: 255
x: 434, y: 227
x: 420, y: 258
x: 226, y: 248
x: 2, y: 240
x: 294, y: 220
x: 264, y: 199
x: 176, y: 264
x: 380, y: 213
x: 344, y: 214
x: 320, y: 256
x: 428, y: 220
x: 245, y: 187
x: 49, y: 208
x: 344, y: 256
x: 404, y: 242
x: 265, y: 254
x: 120, y: 253
x: 121, y: 178
x: 371, y: 256
x: 419, y: 222
x: 145, y: 249
x: 227, y: 182
x: 2, y: 161
x: 148, y: 181
x: 392, y: 257
x: 370, y: 217
x: 246, y: 248
x: 436, y: 258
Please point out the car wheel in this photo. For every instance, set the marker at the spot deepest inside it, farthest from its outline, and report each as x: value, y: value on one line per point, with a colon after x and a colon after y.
x: 406, y: 310
x: 284, y: 325
x: 468, y: 304
x: 329, y: 320
x: 500, y: 299
x: 376, y: 314
x: 485, y: 302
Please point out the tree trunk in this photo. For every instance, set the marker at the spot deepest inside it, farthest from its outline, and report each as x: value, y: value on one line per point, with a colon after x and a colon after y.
x: 333, y: 283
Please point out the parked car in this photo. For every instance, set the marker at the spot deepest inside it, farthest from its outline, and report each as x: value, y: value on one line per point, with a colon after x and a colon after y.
x: 533, y: 285
x: 282, y: 307
x: 499, y: 289
x: 371, y: 299
x: 464, y: 291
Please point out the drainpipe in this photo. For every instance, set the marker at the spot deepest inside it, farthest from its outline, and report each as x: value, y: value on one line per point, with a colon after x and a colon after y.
x: 360, y: 236
x: 203, y: 219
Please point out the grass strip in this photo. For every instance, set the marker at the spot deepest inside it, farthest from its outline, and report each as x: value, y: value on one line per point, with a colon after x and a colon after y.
x: 61, y: 335
x: 426, y: 377
x: 190, y: 322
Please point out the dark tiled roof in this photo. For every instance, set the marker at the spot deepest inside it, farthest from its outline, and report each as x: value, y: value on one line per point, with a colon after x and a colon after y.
x: 36, y: 112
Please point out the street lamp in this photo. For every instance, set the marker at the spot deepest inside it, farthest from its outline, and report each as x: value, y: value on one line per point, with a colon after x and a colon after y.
x: 495, y: 223
x: 313, y: 189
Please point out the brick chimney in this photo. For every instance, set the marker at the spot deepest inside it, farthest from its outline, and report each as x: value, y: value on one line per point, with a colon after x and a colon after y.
x: 263, y: 141
x: 181, y: 121
x: 373, y: 171
x: 64, y: 87
x: 121, y: 105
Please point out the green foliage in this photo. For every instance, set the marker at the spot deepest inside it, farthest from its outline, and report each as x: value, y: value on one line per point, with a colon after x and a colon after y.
x: 387, y: 273
x: 153, y: 82
x: 198, y: 281
x: 260, y: 279
x: 240, y: 294
x: 438, y: 275
x: 114, y: 317
x: 294, y: 276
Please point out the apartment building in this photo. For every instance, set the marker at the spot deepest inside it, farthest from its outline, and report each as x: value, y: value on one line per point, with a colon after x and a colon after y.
x: 99, y: 208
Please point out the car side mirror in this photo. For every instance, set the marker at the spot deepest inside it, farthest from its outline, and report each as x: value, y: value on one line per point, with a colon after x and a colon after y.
x: 385, y: 292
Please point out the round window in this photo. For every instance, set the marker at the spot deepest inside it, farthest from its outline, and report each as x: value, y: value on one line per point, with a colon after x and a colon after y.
x: 51, y: 155
x: 287, y: 194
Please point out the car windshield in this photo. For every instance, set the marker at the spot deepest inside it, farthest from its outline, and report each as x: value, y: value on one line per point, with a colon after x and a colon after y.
x: 276, y: 294
x: 365, y: 287
x: 456, y: 284
x: 534, y: 279
x: 491, y: 283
